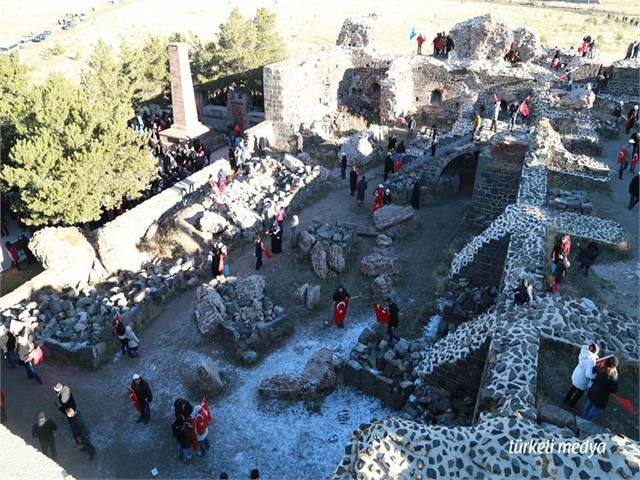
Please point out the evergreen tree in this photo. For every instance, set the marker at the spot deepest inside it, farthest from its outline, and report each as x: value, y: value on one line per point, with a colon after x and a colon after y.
x: 75, y: 155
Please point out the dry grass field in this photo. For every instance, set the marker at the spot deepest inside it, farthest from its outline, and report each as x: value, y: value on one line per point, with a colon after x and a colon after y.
x: 306, y: 25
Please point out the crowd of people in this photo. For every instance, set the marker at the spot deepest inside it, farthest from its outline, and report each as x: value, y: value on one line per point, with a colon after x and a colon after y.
x: 442, y: 43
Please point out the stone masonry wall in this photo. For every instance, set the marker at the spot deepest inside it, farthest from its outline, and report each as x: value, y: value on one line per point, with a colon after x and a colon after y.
x: 496, y: 184
x: 485, y: 270
x: 625, y: 80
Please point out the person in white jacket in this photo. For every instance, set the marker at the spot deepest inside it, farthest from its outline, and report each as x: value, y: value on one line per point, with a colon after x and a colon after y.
x: 582, y: 374
x: 133, y: 342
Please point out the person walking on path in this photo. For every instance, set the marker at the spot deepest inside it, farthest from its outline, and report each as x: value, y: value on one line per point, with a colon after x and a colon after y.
x: 8, y: 345
x: 259, y: 248
x: 295, y: 231
x: 299, y: 144
x: 411, y: 126
x: 582, y: 374
x: 181, y: 432
x: 26, y: 351
x: 362, y: 187
x: 353, y: 180
x: 13, y: 254
x: 415, y: 195
x: 634, y: 191
x: 388, y: 166
x: 143, y: 394
x: 394, y: 320
x: 622, y: 160
x: 494, y: 119
x: 64, y: 398
x: 605, y: 383
x: 632, y: 119
x: 280, y: 216
x: 80, y: 432
x: 477, y: 124
x: 43, y: 430
x: 617, y: 114
x: 587, y: 256
x: 133, y: 342
x: 340, y: 305
x: 343, y: 167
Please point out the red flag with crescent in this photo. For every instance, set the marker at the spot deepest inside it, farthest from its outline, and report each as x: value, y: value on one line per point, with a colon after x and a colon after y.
x: 191, y: 422
x: 622, y: 155
x: 600, y: 361
x: 134, y: 399
x: 382, y: 313
x: 524, y: 109
x: 205, y: 410
x: 340, y: 311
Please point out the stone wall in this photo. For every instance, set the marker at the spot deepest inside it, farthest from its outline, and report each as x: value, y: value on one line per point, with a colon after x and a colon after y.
x: 498, y: 178
x: 626, y: 79
x: 488, y: 264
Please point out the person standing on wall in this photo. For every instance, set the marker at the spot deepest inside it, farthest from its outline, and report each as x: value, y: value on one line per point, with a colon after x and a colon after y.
x: 420, y: 41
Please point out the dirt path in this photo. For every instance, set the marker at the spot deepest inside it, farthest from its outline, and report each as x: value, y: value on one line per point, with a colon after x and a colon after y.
x: 283, y: 439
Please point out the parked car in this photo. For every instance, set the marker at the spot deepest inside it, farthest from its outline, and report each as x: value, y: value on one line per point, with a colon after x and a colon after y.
x: 46, y: 33
x: 68, y: 25
x: 23, y: 43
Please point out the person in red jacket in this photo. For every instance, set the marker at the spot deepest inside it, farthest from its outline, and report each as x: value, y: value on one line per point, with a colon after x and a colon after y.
x: 12, y: 251
x: 622, y: 160
x: 560, y: 259
x: 201, y: 419
x: 420, y: 41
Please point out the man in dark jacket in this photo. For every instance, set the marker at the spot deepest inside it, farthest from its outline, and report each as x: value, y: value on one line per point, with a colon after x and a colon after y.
x: 388, y: 166
x: 43, y: 430
x: 80, y: 432
x: 143, y: 393
x: 362, y: 187
x: 65, y: 398
x: 353, y: 180
x: 415, y: 195
x: 343, y: 167
x: 180, y: 430
x: 394, y: 320
x: 634, y: 191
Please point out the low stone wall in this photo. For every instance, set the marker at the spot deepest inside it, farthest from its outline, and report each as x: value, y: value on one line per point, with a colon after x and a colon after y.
x: 626, y: 79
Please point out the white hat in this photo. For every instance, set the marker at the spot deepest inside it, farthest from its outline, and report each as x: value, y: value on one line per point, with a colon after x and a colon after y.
x: 387, y: 191
x: 380, y: 186
x: 136, y: 376
x: 632, y: 140
x: 58, y: 387
x: 635, y: 107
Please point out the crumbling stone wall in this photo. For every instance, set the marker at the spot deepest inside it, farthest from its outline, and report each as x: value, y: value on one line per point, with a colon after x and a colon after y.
x: 488, y: 264
x: 498, y: 178
x: 626, y: 79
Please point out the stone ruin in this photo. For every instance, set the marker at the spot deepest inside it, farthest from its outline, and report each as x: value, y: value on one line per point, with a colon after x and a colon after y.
x: 327, y: 245
x: 237, y: 311
x: 357, y: 32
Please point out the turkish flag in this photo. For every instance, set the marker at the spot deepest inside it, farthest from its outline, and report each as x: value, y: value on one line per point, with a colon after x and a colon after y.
x: 600, y: 361
x: 622, y: 155
x: 205, y: 409
x: 382, y: 313
x: 524, y: 109
x: 625, y: 403
x: 192, y: 433
x: 340, y: 311
x: 134, y: 399
x: 495, y: 98
x: 266, y: 251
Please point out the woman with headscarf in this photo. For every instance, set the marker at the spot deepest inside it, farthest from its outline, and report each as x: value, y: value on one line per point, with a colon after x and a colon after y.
x: 275, y: 232
x: 295, y: 231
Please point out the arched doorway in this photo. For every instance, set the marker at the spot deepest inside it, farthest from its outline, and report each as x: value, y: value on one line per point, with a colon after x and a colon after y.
x: 435, y: 100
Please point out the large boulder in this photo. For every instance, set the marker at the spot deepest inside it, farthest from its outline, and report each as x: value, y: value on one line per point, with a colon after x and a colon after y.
x: 292, y: 163
x: 358, y: 149
x: 209, y: 311
x: 375, y: 264
x: 317, y: 380
x: 244, y: 217
x: 391, y: 215
x: 313, y: 297
x: 489, y: 38
x: 65, y: 251
x: 306, y: 241
x: 382, y: 287
x: 578, y: 99
x: 208, y: 378
x: 357, y: 32
x: 249, y: 289
x: 335, y: 258
x: 212, y: 223
x: 319, y: 260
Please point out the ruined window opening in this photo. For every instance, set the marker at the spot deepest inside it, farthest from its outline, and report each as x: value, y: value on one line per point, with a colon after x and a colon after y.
x: 436, y: 98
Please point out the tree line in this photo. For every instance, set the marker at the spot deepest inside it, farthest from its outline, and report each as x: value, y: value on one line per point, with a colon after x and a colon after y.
x: 67, y: 152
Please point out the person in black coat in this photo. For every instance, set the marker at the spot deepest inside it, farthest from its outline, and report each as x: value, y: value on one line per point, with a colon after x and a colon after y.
x: 634, y: 191
x: 259, y: 247
x: 605, y: 383
x: 80, y: 432
x: 182, y: 407
x: 388, y: 166
x: 587, y: 256
x: 362, y: 187
x: 275, y: 232
x: 343, y: 167
x: 43, y: 430
x: 523, y: 293
x: 394, y: 320
x: 415, y: 195
x: 144, y: 396
x: 386, y: 197
x: 353, y: 180
x: 391, y: 146
x: 65, y: 398
x: 180, y: 430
